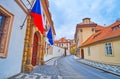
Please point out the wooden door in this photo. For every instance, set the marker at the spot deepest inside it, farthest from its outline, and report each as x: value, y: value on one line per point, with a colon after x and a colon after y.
x: 82, y: 53
x: 35, y: 49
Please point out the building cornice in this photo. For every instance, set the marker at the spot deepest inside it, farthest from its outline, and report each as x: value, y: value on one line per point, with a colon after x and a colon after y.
x: 86, y: 25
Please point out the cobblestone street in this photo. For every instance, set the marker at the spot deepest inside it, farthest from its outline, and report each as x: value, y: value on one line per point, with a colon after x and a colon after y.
x: 47, y: 71
x: 65, y: 68
x: 106, y: 67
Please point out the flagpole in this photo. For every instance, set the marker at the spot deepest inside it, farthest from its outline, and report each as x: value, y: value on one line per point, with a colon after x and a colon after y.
x: 23, y: 22
x: 26, y: 16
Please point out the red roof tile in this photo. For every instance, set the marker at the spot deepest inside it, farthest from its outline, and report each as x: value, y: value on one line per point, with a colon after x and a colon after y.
x: 98, y: 28
x: 103, y: 34
x: 62, y: 40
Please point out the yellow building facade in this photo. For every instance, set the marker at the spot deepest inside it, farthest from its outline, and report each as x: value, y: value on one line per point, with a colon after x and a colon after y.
x: 103, y: 45
x: 97, y: 52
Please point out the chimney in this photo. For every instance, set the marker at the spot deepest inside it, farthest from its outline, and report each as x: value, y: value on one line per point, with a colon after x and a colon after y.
x: 118, y: 20
x: 86, y: 21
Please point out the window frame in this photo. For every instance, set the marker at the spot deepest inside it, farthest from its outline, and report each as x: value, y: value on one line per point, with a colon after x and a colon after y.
x: 6, y: 32
x: 88, y: 51
x: 24, y: 6
x: 81, y: 30
x: 108, y: 49
x: 2, y: 24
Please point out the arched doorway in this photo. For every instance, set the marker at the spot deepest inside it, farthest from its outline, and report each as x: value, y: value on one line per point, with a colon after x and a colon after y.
x: 35, y: 49
x: 82, y: 53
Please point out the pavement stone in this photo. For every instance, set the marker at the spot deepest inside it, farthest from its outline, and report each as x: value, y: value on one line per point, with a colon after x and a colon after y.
x: 47, y: 71
x: 106, y: 67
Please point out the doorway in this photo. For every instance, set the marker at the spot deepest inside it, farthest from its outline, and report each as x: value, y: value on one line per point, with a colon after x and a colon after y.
x: 35, y: 49
x: 82, y: 53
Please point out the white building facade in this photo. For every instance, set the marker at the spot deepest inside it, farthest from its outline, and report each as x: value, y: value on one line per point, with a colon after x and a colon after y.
x: 11, y: 56
x: 63, y: 43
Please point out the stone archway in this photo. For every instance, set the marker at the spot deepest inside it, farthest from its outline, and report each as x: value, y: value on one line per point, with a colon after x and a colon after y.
x: 33, y: 43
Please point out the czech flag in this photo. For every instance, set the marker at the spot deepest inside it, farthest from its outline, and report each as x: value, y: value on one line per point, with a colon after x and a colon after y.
x: 37, y: 16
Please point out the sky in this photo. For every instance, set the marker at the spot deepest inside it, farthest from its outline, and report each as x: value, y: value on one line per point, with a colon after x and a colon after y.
x: 66, y: 14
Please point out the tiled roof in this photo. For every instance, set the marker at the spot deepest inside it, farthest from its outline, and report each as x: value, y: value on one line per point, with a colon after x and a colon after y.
x: 62, y: 40
x: 103, y: 34
x: 86, y: 25
x: 99, y: 28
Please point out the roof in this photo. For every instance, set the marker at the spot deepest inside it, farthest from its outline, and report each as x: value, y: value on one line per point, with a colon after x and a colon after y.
x: 62, y: 40
x: 99, y: 28
x: 86, y: 25
x: 104, y: 34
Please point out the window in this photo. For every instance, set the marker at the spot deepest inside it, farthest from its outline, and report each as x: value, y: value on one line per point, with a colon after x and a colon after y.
x: 30, y: 1
x: 62, y: 44
x: 2, y: 22
x: 108, y: 48
x: 6, y: 19
x: 116, y: 27
x: 81, y: 30
x: 25, y: 4
x: 88, y: 51
x: 93, y: 29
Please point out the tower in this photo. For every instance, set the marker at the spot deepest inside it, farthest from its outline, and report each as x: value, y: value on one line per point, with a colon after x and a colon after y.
x: 83, y: 31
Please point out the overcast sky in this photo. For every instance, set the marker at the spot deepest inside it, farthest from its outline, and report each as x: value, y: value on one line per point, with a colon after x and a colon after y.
x: 67, y: 13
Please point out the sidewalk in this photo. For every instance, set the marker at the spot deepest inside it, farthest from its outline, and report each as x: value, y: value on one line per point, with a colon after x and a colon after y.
x: 105, y: 67
x: 46, y: 71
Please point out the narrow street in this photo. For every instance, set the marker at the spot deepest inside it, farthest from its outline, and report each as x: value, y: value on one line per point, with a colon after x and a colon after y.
x: 70, y: 69
x: 66, y: 68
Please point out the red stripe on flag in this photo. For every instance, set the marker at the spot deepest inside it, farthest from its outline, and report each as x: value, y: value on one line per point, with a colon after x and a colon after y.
x: 38, y: 21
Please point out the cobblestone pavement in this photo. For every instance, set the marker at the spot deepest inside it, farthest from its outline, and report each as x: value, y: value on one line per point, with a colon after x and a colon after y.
x: 47, y: 71
x: 36, y: 76
x: 65, y: 68
x: 69, y: 68
x: 106, y: 67
x: 67, y: 72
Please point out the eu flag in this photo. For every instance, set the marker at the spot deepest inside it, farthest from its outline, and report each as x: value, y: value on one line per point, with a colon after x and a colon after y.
x: 37, y: 17
x: 49, y: 36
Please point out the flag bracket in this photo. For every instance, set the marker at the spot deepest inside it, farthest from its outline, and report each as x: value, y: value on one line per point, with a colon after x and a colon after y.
x: 23, y: 22
x: 21, y: 27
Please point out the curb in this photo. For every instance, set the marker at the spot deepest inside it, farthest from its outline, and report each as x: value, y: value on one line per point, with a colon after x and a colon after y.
x: 117, y: 74
x: 52, y: 58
